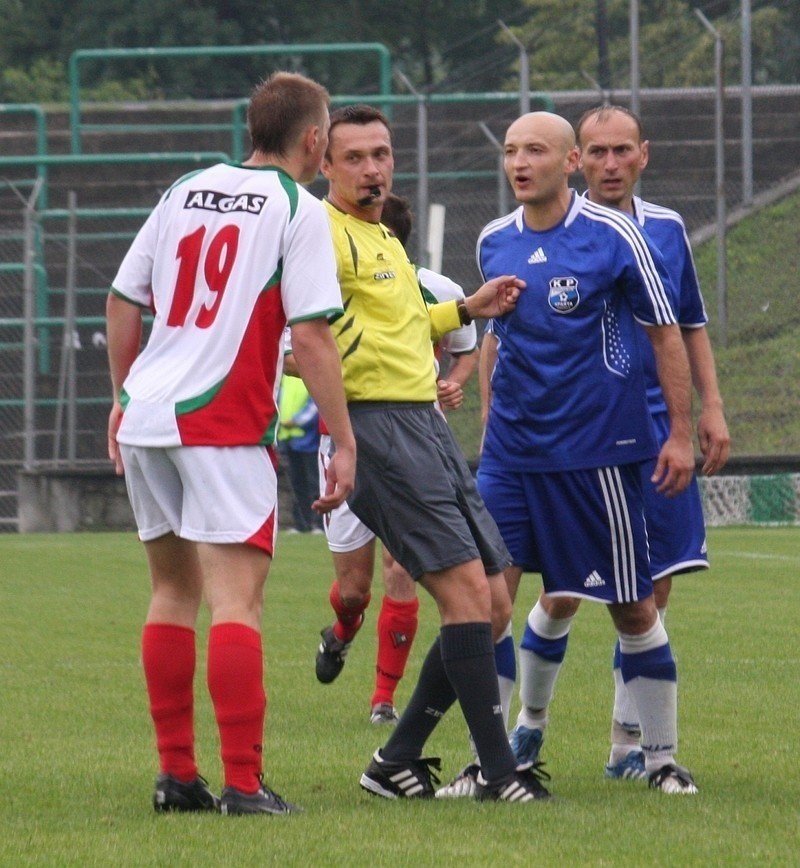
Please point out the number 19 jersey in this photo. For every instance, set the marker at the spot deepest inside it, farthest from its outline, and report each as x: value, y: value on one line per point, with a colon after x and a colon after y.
x: 228, y: 257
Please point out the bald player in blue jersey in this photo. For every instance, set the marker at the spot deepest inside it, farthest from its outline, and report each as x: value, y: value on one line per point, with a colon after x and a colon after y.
x: 613, y: 154
x: 568, y: 427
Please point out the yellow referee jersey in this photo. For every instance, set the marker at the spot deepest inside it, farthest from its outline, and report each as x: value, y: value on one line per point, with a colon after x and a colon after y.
x: 385, y: 333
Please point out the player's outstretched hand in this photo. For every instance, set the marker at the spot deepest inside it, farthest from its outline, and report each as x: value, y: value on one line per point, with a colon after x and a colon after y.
x: 496, y: 297
x: 340, y: 480
x: 674, y: 468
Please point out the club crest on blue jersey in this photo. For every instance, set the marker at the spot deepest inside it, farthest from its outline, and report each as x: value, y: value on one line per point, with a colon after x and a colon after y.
x: 564, y: 296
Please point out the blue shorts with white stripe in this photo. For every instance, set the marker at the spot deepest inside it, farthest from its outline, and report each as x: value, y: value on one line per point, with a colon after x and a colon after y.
x: 583, y: 530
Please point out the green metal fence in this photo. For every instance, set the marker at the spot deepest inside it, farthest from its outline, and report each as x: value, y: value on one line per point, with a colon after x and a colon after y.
x: 189, y: 53
x: 40, y: 123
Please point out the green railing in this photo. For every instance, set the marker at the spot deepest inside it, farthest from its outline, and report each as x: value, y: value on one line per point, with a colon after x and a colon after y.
x: 43, y: 160
x: 105, y: 159
x: 238, y: 125
x: 40, y: 276
x: 105, y: 214
x: 43, y: 325
x: 41, y: 141
x: 42, y: 304
x: 239, y: 140
x: 192, y: 52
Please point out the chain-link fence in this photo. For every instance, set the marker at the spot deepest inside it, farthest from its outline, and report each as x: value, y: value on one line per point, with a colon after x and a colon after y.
x: 466, y: 174
x: 56, y: 265
x: 54, y: 381
x: 12, y: 275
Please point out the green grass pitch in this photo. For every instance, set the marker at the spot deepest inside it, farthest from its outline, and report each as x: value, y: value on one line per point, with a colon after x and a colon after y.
x: 78, y: 761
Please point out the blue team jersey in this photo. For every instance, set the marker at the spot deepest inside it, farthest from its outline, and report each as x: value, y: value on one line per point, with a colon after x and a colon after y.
x: 568, y: 388
x: 665, y: 228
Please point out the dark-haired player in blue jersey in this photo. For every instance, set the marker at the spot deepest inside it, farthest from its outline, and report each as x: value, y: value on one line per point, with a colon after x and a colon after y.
x: 613, y: 155
x: 568, y: 427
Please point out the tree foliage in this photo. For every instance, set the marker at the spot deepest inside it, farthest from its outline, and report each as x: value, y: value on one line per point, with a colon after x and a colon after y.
x: 675, y: 49
x: 438, y: 45
x: 419, y: 34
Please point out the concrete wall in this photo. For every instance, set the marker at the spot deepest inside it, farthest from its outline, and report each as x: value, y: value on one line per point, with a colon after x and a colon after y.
x: 91, y: 499
x: 54, y: 501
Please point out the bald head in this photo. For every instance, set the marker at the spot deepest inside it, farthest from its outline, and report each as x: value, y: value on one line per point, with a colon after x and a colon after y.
x: 549, y: 127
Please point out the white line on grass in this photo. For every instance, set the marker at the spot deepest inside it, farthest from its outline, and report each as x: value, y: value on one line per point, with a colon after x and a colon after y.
x: 758, y: 556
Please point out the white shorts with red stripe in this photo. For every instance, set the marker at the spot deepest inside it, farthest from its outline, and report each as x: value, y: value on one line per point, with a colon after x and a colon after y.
x: 214, y: 494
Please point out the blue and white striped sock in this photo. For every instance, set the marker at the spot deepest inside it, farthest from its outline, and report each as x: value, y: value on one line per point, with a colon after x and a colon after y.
x: 542, y: 651
x: 649, y: 672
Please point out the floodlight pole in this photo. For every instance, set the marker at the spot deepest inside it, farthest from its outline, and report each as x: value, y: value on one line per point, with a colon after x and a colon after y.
x: 423, y: 243
x: 633, y: 25
x: 722, y: 292
x: 29, y: 333
x: 747, y: 107
x: 605, y: 95
x: 502, y: 185
x: 524, y: 71
x: 66, y: 376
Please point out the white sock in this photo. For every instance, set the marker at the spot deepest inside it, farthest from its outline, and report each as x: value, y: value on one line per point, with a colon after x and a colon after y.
x: 626, y: 715
x: 626, y: 732
x: 540, y: 658
x: 533, y: 719
x: 655, y: 696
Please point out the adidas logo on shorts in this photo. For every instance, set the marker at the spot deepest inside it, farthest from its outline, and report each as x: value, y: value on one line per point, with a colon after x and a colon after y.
x: 593, y: 580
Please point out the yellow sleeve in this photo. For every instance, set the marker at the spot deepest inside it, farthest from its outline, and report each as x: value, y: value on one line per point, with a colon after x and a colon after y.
x: 444, y: 318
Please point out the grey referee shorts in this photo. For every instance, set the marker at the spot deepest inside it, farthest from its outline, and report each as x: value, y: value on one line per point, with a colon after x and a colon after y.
x: 415, y: 492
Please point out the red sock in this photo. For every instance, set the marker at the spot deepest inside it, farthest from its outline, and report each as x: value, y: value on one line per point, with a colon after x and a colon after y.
x: 348, y: 619
x: 168, y: 658
x: 236, y: 685
x: 397, y: 626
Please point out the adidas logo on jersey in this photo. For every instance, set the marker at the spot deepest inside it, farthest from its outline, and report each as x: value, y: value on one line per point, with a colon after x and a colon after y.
x: 593, y: 580
x: 537, y: 256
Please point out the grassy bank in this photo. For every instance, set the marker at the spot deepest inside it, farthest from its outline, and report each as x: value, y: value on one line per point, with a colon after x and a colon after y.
x: 759, y: 368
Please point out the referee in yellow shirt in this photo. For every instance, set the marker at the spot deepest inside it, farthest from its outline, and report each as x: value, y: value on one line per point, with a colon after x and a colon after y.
x: 414, y: 489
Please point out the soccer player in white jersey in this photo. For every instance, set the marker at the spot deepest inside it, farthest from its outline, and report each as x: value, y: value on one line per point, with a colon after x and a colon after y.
x: 613, y: 155
x: 228, y: 257
x: 568, y: 427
